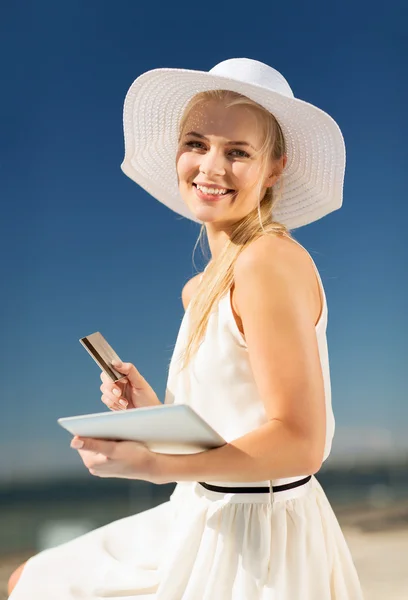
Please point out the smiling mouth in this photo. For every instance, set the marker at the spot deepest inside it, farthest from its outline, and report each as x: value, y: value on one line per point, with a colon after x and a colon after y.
x: 228, y: 191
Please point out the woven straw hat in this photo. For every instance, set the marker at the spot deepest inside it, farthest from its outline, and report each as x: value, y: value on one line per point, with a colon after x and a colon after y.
x: 154, y: 104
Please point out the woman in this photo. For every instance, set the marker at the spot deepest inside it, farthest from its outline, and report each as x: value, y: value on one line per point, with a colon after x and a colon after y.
x: 233, y: 150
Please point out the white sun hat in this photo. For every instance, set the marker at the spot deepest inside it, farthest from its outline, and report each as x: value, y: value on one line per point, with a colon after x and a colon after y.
x: 154, y: 104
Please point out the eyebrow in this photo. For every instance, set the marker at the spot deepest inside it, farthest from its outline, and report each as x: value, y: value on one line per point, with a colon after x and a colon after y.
x: 199, y: 135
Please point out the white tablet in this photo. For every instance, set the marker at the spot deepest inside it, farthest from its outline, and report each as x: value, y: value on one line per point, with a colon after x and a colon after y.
x: 170, y: 428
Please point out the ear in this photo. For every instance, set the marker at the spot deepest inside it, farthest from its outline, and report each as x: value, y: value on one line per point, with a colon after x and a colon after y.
x: 271, y: 180
x: 277, y: 171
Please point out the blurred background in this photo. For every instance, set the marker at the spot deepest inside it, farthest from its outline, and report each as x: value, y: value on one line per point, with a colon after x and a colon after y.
x: 84, y: 249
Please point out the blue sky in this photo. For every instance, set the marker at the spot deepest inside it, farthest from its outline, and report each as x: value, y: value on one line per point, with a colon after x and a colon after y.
x: 84, y: 249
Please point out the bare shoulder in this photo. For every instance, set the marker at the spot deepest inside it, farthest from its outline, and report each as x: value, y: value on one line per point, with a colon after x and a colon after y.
x: 189, y: 289
x: 271, y: 250
x: 278, y: 259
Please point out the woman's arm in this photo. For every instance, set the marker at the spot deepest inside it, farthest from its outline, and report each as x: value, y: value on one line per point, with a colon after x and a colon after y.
x: 271, y: 451
x: 275, y: 294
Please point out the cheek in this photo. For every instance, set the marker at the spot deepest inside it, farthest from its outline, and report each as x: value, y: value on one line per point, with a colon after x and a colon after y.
x: 185, y: 165
x: 245, y: 174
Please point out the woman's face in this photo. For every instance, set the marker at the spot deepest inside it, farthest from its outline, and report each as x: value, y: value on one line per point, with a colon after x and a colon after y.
x: 209, y: 153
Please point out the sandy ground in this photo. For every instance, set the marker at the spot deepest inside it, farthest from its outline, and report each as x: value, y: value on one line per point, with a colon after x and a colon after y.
x: 380, y: 553
x: 381, y: 559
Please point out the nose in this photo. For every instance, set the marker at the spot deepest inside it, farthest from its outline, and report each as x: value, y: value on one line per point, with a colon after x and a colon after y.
x: 213, y: 163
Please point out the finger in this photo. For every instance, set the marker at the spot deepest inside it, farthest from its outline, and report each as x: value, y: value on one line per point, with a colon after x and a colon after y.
x: 114, y: 403
x: 105, y: 447
x: 95, y: 472
x: 99, y: 472
x: 107, y: 379
x: 113, y: 393
x: 112, y: 388
x: 133, y: 375
x: 93, y: 461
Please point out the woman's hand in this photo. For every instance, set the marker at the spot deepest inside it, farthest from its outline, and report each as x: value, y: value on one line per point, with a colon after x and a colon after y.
x: 105, y: 458
x: 133, y: 390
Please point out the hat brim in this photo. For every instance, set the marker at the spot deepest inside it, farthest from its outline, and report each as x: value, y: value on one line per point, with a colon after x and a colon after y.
x: 154, y: 104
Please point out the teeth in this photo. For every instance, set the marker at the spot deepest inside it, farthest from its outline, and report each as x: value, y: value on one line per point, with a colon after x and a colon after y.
x: 215, y: 191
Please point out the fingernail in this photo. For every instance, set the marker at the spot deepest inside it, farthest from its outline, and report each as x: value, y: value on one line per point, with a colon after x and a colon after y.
x: 77, y: 444
x: 116, y: 392
x: 116, y: 363
x: 123, y: 403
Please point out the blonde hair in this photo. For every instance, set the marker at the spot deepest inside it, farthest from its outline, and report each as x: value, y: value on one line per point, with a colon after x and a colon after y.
x: 218, y: 275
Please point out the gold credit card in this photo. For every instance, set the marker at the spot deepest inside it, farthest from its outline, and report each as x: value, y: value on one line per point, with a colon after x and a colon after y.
x: 102, y: 353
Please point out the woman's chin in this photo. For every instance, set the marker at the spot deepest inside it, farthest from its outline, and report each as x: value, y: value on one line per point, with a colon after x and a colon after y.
x: 206, y: 214
x: 203, y: 212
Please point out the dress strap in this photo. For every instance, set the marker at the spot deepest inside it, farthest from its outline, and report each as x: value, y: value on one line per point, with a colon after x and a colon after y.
x: 322, y: 292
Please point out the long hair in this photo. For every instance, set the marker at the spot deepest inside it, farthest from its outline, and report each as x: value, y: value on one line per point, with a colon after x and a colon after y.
x: 218, y: 275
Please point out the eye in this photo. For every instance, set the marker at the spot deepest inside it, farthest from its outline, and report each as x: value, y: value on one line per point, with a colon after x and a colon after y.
x: 243, y: 153
x: 191, y: 144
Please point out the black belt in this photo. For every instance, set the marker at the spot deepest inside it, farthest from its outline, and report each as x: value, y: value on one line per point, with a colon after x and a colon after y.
x: 255, y: 490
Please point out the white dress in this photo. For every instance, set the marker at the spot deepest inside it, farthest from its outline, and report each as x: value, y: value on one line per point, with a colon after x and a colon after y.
x: 211, y: 545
